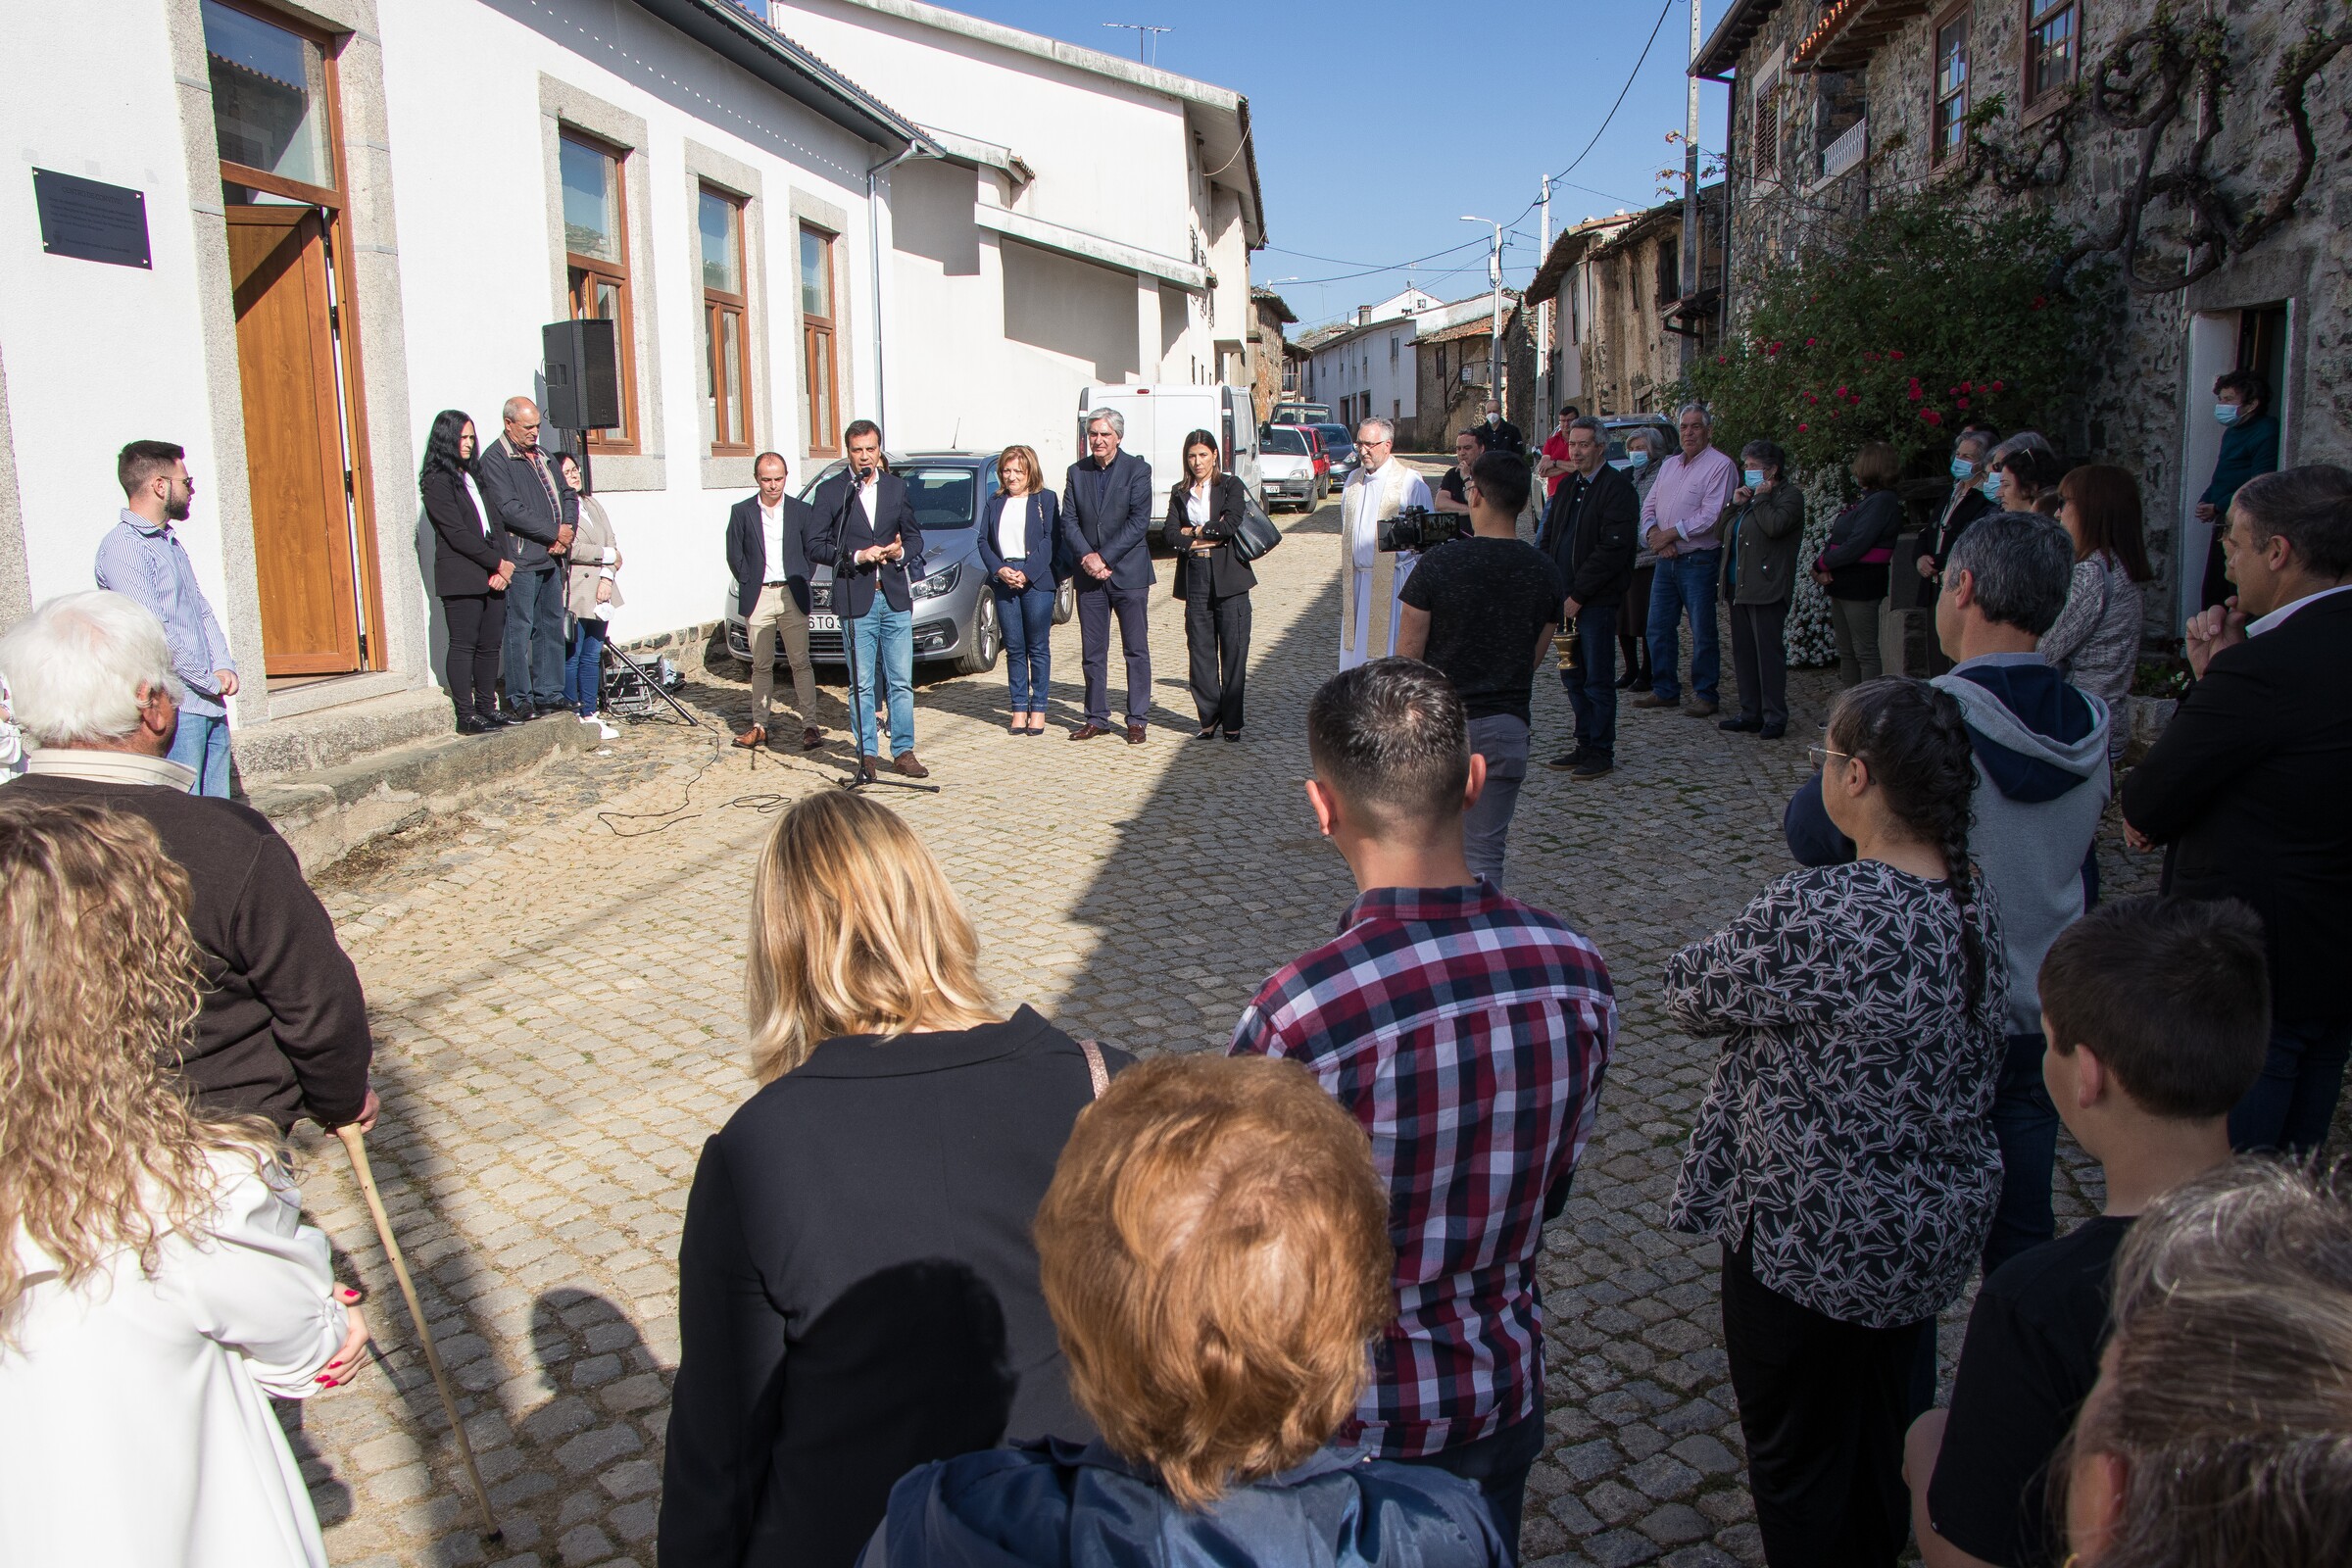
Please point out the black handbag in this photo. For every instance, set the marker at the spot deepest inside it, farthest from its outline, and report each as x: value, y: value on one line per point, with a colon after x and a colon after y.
x: 1255, y: 534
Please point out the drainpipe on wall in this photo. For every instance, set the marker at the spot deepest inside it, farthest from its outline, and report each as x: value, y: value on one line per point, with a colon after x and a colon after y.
x: 873, y: 246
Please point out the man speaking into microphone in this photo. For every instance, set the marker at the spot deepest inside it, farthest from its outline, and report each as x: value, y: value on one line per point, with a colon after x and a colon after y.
x: 868, y: 533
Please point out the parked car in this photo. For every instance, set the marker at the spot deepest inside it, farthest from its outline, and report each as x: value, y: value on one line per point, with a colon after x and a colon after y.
x: 1285, y: 464
x: 1290, y: 411
x: 954, y: 614
x: 1663, y: 439
x: 1338, y: 442
x: 1323, y: 480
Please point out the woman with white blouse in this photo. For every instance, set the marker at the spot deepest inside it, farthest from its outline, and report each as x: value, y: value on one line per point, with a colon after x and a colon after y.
x: 1018, y: 530
x: 158, y: 1284
x: 1205, y: 508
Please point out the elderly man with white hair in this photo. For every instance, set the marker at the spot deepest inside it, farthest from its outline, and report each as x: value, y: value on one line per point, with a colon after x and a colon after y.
x: 1370, y: 577
x: 284, y: 1033
x: 1679, y: 520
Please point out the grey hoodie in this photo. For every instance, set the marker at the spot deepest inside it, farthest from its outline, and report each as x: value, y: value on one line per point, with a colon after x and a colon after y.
x: 2042, y: 784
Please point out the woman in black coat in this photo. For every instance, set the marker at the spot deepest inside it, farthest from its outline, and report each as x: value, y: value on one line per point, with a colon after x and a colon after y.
x: 470, y: 571
x: 1204, y: 509
x: 1852, y: 567
x: 858, y: 1291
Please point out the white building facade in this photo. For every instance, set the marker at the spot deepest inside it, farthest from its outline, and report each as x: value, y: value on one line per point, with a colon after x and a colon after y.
x: 1366, y: 368
x: 1090, y: 222
x: 330, y: 220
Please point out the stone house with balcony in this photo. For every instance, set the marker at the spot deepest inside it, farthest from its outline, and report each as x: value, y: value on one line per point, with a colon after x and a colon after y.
x: 1450, y: 361
x: 1624, y: 313
x: 1837, y: 104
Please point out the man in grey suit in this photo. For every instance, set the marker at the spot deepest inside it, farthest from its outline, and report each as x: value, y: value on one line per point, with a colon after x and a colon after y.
x: 1106, y: 525
x: 518, y: 485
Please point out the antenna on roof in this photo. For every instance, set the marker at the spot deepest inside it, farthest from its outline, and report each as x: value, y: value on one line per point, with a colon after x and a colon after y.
x: 1142, y: 30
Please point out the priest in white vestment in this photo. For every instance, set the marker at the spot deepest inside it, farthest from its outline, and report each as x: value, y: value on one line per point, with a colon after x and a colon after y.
x: 1370, y: 578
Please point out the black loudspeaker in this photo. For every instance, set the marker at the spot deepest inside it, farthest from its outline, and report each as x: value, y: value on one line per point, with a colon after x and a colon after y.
x: 583, y: 374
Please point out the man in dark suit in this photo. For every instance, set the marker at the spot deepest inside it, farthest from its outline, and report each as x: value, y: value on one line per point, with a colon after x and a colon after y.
x: 1106, y: 525
x: 1589, y: 531
x: 2246, y: 788
x: 540, y: 512
x: 865, y: 530
x: 768, y: 550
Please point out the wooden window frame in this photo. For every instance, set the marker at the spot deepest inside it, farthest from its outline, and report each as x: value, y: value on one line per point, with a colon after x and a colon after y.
x: 374, y: 644
x: 2039, y: 14
x: 593, y: 270
x: 1964, y: 14
x: 816, y: 331
x: 1764, y: 130
x: 718, y: 306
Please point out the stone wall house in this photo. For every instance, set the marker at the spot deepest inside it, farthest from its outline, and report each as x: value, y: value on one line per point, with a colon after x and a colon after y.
x: 1570, y: 281
x: 1625, y: 314
x: 1840, y: 104
x: 1451, y: 401
x: 1271, y: 370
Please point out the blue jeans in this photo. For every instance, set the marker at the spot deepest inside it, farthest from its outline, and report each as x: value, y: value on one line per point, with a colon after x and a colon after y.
x: 534, y: 661
x: 2026, y: 1125
x: 584, y: 667
x: 2293, y: 1102
x: 1593, y: 693
x: 1686, y: 582
x: 884, y: 638
x: 1027, y: 620
x: 202, y: 743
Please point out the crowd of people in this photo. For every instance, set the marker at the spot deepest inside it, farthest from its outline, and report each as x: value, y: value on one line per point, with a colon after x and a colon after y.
x: 956, y: 1286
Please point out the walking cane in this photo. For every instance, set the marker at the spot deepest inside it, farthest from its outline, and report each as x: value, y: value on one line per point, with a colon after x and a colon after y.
x: 360, y: 1167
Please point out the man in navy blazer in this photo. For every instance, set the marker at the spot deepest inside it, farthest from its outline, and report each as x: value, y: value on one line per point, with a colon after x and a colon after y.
x: 1106, y: 525
x: 768, y: 550
x: 866, y: 531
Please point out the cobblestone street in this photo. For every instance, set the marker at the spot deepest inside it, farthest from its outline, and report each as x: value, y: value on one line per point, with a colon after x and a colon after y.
x: 557, y: 1005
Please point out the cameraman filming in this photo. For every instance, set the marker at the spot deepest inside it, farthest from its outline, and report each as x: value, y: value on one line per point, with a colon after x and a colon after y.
x: 1482, y: 611
x: 1588, y: 532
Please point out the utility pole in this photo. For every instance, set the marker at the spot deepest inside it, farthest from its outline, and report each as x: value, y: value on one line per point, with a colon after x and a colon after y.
x: 1543, y: 365
x: 1141, y: 31
x: 1690, y: 278
x: 1494, y: 336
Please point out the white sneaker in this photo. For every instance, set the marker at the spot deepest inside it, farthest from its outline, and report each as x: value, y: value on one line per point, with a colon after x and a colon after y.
x: 605, y: 732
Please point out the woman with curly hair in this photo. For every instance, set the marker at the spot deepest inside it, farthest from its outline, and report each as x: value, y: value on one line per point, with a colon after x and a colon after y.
x: 1844, y: 1157
x: 156, y: 1283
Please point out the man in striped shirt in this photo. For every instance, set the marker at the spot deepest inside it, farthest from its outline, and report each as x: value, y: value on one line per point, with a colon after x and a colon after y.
x: 1468, y: 1033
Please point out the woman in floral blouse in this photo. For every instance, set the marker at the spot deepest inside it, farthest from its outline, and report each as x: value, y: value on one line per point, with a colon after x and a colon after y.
x: 1843, y: 1158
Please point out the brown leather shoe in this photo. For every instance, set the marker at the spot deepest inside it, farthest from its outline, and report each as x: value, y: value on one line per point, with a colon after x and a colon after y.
x: 1703, y: 709
x: 1135, y: 733
x: 756, y: 736
x: 1088, y: 730
x: 871, y: 766
x: 904, y: 762
x: 812, y: 738
x: 1652, y: 699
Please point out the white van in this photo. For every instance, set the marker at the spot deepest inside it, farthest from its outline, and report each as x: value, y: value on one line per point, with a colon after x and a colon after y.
x: 1159, y: 418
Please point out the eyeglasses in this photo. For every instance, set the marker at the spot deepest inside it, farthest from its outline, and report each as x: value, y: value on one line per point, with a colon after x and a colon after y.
x: 1821, y: 755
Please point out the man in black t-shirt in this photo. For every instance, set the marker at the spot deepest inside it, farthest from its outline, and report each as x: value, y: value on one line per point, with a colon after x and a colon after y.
x: 1482, y: 609
x: 2155, y: 1013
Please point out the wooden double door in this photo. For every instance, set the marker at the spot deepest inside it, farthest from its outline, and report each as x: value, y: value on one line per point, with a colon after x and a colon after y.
x: 306, y: 532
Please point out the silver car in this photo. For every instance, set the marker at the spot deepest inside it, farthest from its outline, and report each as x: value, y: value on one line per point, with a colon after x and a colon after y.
x: 955, y: 614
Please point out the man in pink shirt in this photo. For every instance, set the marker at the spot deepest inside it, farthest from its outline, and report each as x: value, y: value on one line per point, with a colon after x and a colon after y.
x: 1678, y: 522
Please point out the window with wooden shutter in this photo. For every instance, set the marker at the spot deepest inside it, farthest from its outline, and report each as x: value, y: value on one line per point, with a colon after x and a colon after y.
x: 1768, y: 129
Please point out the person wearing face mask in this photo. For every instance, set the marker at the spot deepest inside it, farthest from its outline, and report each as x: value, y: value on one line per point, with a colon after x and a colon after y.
x: 1971, y: 499
x: 1501, y: 435
x: 1633, y: 620
x: 2249, y: 447
x: 1763, y: 526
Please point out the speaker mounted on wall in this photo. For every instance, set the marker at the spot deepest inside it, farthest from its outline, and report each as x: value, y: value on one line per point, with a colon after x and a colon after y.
x: 583, y: 373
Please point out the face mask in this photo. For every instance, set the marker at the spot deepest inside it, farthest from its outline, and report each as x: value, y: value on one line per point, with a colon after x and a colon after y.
x: 2226, y: 412
x: 1753, y: 476
x: 1962, y: 468
x: 1493, y: 419
x: 1991, y: 487
x: 1637, y: 458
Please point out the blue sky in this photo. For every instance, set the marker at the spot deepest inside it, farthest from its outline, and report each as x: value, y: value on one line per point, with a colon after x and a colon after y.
x: 1379, y: 123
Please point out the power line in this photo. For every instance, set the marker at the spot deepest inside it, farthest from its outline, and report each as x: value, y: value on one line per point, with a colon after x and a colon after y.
x: 1621, y: 92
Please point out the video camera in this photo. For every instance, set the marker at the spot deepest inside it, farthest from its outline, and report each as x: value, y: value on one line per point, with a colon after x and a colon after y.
x: 1419, y: 529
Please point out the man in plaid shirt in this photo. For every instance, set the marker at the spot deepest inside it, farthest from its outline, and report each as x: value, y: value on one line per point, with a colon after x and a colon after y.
x: 1468, y: 1033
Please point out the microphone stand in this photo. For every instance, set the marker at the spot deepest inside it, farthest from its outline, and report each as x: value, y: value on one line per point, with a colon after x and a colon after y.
x: 838, y: 592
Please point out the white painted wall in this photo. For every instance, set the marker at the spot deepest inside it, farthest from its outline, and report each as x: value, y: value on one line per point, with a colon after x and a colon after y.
x: 991, y: 339
x: 462, y: 82
x: 99, y: 355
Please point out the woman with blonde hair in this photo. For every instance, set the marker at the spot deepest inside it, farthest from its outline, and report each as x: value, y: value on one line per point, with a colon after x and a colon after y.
x: 1018, y: 530
x: 156, y: 1281
x: 857, y: 1291
x: 1216, y: 1256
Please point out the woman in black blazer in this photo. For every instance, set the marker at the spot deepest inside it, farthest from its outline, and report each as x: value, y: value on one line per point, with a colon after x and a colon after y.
x: 470, y: 571
x: 857, y: 1291
x: 1203, y: 510
x: 1024, y: 573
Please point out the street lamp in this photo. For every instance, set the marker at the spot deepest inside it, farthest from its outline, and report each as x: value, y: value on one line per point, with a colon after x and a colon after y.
x: 1494, y: 336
